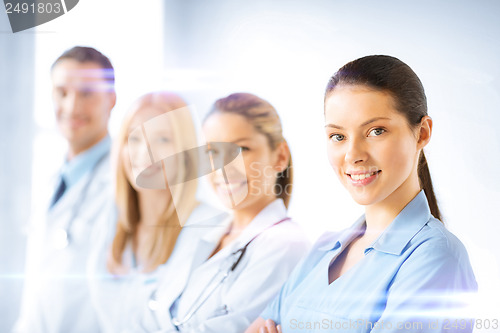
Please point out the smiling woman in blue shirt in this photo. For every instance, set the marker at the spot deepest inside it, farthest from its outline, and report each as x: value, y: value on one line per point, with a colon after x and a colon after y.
x: 397, y: 268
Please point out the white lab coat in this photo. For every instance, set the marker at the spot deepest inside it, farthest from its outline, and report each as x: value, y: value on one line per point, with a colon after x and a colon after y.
x: 56, y: 296
x: 259, y: 276
x: 120, y: 300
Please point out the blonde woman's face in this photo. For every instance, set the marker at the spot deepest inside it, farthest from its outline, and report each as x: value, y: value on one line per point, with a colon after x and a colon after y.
x: 250, y: 178
x: 149, y: 141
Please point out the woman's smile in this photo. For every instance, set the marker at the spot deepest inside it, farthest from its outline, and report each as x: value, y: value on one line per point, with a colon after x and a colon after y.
x: 364, y: 178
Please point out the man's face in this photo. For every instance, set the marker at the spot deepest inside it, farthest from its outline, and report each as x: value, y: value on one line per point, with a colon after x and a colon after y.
x: 83, y: 100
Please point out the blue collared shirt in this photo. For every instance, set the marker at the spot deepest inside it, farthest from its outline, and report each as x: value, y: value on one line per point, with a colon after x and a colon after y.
x: 414, y: 277
x: 72, y: 171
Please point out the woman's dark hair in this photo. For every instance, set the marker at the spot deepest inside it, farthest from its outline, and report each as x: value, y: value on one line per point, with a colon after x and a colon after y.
x: 264, y: 117
x: 389, y: 74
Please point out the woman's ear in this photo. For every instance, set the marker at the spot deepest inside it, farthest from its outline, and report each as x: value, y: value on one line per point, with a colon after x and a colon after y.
x: 425, y: 132
x: 282, y: 156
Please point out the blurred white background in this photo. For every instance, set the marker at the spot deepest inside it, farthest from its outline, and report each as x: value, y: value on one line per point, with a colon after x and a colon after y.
x: 283, y: 51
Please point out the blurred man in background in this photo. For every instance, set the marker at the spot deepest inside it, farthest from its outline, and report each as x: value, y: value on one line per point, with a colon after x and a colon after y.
x: 56, y: 296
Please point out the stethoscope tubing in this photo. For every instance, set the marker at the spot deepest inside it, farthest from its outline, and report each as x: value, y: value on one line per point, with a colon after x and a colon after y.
x: 195, y: 307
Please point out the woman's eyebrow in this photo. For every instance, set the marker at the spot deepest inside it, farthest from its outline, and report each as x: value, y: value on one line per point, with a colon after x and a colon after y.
x: 363, y: 124
x: 241, y: 139
x: 373, y: 120
x: 334, y: 126
x: 233, y: 141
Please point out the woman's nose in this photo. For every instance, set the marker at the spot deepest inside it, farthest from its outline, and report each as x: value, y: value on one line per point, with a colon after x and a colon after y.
x: 356, y: 152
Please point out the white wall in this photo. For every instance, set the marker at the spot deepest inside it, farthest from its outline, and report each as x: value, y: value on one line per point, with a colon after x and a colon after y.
x: 16, y: 136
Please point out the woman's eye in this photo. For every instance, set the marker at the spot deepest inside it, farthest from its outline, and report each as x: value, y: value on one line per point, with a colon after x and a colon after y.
x: 163, y: 139
x: 337, y: 137
x: 243, y: 148
x: 133, y: 139
x: 376, y: 132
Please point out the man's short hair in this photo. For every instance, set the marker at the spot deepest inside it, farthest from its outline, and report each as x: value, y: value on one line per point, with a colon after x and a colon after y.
x: 84, y: 54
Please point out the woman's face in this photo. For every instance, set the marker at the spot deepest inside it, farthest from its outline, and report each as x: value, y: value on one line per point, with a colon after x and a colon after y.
x: 249, y: 180
x: 370, y: 145
x: 148, y: 142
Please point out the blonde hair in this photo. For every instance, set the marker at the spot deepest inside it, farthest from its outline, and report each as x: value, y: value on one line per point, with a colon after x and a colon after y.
x: 264, y: 117
x: 162, y: 244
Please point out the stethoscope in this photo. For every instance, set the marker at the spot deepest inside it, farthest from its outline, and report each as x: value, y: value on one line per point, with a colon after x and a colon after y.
x: 61, y: 237
x: 237, y: 255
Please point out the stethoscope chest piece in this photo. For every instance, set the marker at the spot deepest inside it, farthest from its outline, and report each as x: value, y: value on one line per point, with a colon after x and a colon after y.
x: 153, y: 304
x: 60, y: 238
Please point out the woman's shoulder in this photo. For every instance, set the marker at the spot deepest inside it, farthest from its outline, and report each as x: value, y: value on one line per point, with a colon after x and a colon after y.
x: 277, y: 251
x: 284, y: 242
x: 435, y: 238
x: 104, y: 230
x: 288, y: 231
x: 435, y: 253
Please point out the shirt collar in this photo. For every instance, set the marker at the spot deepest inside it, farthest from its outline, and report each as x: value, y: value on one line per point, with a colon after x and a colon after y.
x: 72, y: 171
x: 404, y: 227
x: 337, y: 240
x: 395, y: 237
x: 272, y: 213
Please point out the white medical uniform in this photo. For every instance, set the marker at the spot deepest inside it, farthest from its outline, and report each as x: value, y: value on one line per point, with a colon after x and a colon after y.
x: 56, y: 296
x: 120, y: 300
x: 258, y: 277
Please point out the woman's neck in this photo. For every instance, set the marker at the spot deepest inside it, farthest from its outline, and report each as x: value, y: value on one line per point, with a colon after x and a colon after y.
x: 244, y: 216
x: 152, y: 204
x: 380, y: 215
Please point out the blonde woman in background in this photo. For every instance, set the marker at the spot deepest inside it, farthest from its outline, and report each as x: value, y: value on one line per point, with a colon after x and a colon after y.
x: 238, y: 269
x: 155, y: 220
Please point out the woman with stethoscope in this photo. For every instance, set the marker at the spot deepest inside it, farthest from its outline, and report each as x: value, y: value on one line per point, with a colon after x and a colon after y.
x: 155, y: 221
x: 236, y: 271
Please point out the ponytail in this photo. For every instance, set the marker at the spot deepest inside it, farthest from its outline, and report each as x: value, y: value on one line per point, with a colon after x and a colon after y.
x: 424, y: 177
x: 284, y: 183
